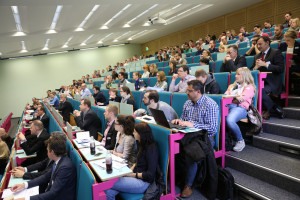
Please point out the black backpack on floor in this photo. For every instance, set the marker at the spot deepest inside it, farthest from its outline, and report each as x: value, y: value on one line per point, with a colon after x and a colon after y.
x: 225, y: 184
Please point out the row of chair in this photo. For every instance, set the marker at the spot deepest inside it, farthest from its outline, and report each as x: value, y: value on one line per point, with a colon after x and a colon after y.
x: 6, y: 122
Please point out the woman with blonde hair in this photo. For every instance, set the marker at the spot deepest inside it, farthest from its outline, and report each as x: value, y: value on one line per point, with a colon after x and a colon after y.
x: 146, y: 71
x: 295, y: 24
x: 244, y: 89
x: 222, y: 49
x: 153, y: 70
x: 161, y: 81
x: 4, y: 154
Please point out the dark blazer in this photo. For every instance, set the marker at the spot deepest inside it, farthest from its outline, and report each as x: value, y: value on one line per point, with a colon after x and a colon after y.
x: 111, y: 137
x: 65, y: 108
x: 230, y: 66
x: 37, y: 146
x: 274, y: 80
x: 62, y: 185
x: 117, y: 99
x: 99, y: 97
x: 90, y: 122
x: 44, y: 120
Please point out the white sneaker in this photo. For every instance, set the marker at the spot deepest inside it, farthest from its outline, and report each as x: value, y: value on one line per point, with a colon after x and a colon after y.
x: 239, y: 146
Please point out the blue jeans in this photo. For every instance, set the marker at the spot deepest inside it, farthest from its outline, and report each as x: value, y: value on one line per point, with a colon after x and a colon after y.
x: 236, y: 113
x: 192, y: 167
x: 126, y: 184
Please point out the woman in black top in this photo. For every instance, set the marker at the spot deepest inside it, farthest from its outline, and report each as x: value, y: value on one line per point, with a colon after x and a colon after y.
x: 153, y: 70
x: 113, y: 95
x: 173, y: 68
x: 145, y: 168
x: 127, y: 96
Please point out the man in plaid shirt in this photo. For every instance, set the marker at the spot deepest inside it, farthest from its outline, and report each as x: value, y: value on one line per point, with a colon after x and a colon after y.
x: 199, y: 112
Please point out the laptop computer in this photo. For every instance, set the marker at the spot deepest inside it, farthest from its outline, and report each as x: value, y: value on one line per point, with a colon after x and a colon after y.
x: 160, y: 119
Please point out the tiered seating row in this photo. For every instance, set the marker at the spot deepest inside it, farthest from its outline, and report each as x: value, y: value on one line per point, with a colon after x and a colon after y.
x: 6, y: 122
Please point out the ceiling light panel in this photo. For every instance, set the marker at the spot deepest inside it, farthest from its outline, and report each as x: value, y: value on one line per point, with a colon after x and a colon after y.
x: 87, y: 39
x: 117, y: 39
x: 67, y: 43
x: 115, y: 16
x: 55, y: 19
x: 144, y: 32
x: 141, y: 14
x: 167, y: 11
x: 102, y: 40
x: 16, y: 14
x: 80, y: 27
x: 46, y: 45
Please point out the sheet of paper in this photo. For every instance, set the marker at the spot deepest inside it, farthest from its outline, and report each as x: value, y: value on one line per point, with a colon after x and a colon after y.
x: 117, y: 158
x: 83, y: 135
x: 87, y: 144
x: 22, y: 193
x: 115, y: 164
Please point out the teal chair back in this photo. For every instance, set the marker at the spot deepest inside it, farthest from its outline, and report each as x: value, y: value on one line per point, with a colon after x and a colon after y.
x: 86, y: 181
x: 218, y: 65
x: 152, y: 81
x: 222, y: 79
x: 137, y: 95
x: 166, y: 70
x: 249, y: 61
x: 165, y: 97
x: 178, y: 100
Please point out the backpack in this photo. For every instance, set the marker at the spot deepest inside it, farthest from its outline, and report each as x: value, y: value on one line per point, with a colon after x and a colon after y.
x: 156, y: 188
x: 254, y: 120
x: 225, y: 184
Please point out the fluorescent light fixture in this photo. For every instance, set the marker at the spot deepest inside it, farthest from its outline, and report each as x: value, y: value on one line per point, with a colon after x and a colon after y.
x: 115, y: 16
x: 133, y: 19
x: 140, y: 34
x: 46, y: 45
x: 115, y: 45
x: 80, y: 27
x: 188, y: 12
x: 66, y: 44
x: 24, y: 50
x: 147, y: 23
x: 15, y: 12
x: 85, y: 41
x: 57, y: 52
x: 101, y: 41
x: 0, y: 54
x: 117, y: 39
x: 55, y: 19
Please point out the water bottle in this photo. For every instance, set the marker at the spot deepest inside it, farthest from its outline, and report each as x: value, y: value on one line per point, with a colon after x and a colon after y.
x: 248, y: 44
x: 108, y: 161
x: 92, y: 146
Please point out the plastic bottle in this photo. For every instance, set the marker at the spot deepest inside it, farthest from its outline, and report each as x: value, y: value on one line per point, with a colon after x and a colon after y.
x: 108, y: 161
x: 248, y: 44
x: 92, y: 146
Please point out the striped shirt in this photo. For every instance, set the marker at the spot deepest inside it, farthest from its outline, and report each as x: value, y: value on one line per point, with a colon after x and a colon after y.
x: 204, y: 114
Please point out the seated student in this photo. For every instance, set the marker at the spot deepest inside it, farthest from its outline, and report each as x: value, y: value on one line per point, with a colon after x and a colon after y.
x: 151, y: 100
x: 210, y: 85
x: 166, y: 57
x: 61, y: 178
x: 180, y: 60
x: 4, y: 155
x: 257, y: 31
x: 108, y: 82
x: 122, y: 80
x: 187, y: 48
x: 139, y: 83
x: 87, y: 119
x: 200, y: 112
x: 253, y: 49
x: 173, y: 68
x: 222, y: 49
x: 127, y: 96
x: 199, y: 49
x: 161, y: 81
x: 278, y: 34
x: 55, y: 100
x: 183, y: 72
x: 123, y: 70
x: 125, y: 142
x: 206, y: 54
x: 41, y: 115
x: 212, y: 47
x: 34, y: 145
x: 65, y: 107
x: 269, y: 60
x: 146, y: 71
x: 6, y: 138
x: 29, y: 172
x: 295, y: 25
x: 115, y: 75
x: 242, y: 38
x: 110, y: 133
x: 223, y: 40
x: 233, y: 61
x: 113, y: 95
x: 204, y: 61
x: 153, y: 70
x: 244, y: 88
x: 145, y: 168
x: 160, y: 58
x: 98, y: 96
x: 85, y: 91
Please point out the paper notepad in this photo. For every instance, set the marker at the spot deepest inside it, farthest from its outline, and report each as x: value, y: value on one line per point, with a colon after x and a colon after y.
x: 116, y: 165
x: 22, y: 193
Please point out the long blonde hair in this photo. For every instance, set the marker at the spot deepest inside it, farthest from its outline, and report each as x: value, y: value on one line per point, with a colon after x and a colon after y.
x: 247, y: 77
x: 4, y: 151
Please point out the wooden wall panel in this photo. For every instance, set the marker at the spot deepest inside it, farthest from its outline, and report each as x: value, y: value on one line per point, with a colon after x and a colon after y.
x: 261, y: 11
x: 234, y: 20
x: 216, y: 26
x: 272, y: 10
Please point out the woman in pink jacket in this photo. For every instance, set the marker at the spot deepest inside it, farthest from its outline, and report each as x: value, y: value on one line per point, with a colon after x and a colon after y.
x: 244, y: 89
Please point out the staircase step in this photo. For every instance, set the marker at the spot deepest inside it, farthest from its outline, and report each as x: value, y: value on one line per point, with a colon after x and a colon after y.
x: 294, y: 101
x: 258, y: 189
x: 278, y: 144
x: 292, y: 112
x: 283, y: 127
x: 278, y: 170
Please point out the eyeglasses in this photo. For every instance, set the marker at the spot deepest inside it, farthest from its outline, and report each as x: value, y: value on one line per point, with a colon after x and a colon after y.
x: 189, y: 91
x: 180, y: 71
x: 230, y: 52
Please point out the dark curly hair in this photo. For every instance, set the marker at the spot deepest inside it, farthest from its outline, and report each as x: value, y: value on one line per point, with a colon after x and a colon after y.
x: 127, y: 121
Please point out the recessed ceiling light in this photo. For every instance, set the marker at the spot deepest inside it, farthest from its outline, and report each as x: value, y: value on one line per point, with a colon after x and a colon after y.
x: 66, y: 44
x: 115, y: 40
x: 23, y: 51
x: 101, y: 41
x: 147, y: 23
x: 55, y: 19
x: 80, y: 27
x: 19, y: 34
x: 127, y: 24
x: 104, y: 27
x: 84, y: 42
x: 51, y: 32
x: 0, y: 54
x: 46, y: 45
x: 115, y: 16
x: 15, y: 11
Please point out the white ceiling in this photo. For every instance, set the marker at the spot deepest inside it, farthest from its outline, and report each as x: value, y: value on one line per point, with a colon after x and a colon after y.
x: 36, y: 17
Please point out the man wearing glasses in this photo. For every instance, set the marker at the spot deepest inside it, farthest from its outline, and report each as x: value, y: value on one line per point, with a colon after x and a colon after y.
x: 233, y: 61
x: 183, y: 73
